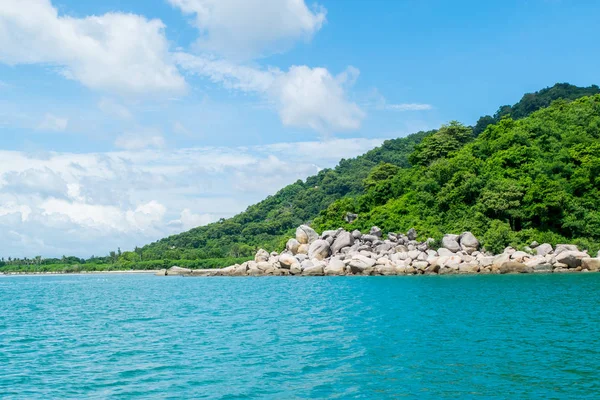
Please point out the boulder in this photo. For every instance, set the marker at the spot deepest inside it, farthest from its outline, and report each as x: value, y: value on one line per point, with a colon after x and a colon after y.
x: 468, y: 242
x: 319, y: 249
x: 303, y: 249
x: 306, y: 235
x: 262, y: 255
x: 376, y: 231
x: 445, y: 252
x: 450, y: 242
x: 369, y: 238
x: 542, y: 268
x: 420, y: 265
x: 534, y: 244
x: 162, y: 272
x: 292, y: 246
x: 335, y: 267
x: 314, y: 270
x: 287, y: 260
x: 350, y: 217
x: 331, y: 233
x: 565, y: 247
x: 591, y: 264
x: 343, y: 239
x: 519, y: 256
x: 572, y: 258
x: 205, y: 272
x: 468, y: 268
x: 386, y: 268
x: 514, y: 267
x: 356, y: 234
x: 175, y: 270
x: 241, y: 270
x: 411, y: 234
x: 359, y: 263
x: 543, y: 249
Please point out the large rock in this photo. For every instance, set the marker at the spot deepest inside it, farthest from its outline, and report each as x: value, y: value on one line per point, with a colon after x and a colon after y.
x: 411, y: 234
x: 350, y: 217
x: 569, y: 258
x: 314, y: 270
x: 162, y: 272
x: 262, y: 255
x: 591, y: 264
x: 376, y: 231
x: 292, y: 246
x: 303, y: 249
x: 343, y: 239
x: 175, y: 270
x: 450, y: 242
x: 287, y: 260
x: 514, y: 267
x: 543, y: 249
x: 335, y: 267
x: 306, y: 235
x: 468, y: 268
x: 565, y: 247
x: 468, y: 242
x: 319, y: 249
x: 359, y: 263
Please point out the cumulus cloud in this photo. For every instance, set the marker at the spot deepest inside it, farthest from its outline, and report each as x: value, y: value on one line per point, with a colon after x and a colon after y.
x: 304, y: 97
x: 52, y: 123
x: 100, y: 201
x: 119, y: 52
x: 250, y: 28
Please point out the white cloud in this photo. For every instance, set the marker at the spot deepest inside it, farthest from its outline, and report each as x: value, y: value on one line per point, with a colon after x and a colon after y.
x: 100, y: 201
x: 125, y: 53
x: 304, y: 97
x: 249, y: 28
x: 53, y: 123
x: 408, y: 107
x: 139, y: 140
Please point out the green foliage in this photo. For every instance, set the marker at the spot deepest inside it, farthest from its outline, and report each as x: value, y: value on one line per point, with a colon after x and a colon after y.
x: 532, y: 179
x: 532, y: 102
x: 448, y: 139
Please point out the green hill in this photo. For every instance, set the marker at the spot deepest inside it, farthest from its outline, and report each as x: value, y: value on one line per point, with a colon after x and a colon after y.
x: 268, y: 223
x: 537, y: 178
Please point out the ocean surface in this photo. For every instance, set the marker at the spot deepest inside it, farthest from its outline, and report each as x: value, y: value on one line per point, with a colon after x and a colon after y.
x: 146, y: 337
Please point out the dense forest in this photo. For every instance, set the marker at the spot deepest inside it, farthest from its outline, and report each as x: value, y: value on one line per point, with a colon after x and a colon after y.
x: 512, y: 177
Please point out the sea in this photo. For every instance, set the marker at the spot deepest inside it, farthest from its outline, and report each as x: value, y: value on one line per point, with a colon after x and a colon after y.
x: 422, y: 337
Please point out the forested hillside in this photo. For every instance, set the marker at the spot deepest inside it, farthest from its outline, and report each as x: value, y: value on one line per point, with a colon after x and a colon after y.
x: 267, y: 223
x: 537, y: 178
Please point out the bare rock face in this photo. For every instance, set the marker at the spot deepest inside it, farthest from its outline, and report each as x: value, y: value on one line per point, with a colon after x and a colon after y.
x: 306, y: 235
x: 450, y: 242
x: 343, y: 239
x: 319, y: 249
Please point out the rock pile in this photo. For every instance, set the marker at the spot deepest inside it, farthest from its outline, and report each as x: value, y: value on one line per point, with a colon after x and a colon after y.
x: 339, y: 252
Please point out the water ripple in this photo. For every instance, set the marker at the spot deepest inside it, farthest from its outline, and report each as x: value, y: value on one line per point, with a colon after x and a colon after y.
x: 143, y: 337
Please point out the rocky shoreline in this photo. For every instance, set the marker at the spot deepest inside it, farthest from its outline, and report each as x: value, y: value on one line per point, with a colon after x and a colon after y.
x: 339, y: 252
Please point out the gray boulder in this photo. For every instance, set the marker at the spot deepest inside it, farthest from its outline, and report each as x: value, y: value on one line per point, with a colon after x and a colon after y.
x: 468, y: 242
x: 306, y: 235
x: 411, y: 234
x: 356, y: 234
x: 450, y: 242
x: 343, y: 239
x: 261, y: 255
x: 375, y: 231
x: 319, y: 249
x: 292, y: 246
x: 350, y: 217
x: 175, y: 270
x: 335, y: 267
x: 543, y: 249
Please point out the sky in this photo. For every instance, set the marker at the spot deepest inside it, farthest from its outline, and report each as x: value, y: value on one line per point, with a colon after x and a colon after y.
x: 125, y: 121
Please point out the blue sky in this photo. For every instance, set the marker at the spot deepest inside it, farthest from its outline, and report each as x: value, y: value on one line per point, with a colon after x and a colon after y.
x: 125, y: 121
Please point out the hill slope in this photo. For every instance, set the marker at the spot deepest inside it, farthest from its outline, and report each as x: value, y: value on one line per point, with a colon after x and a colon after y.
x: 267, y: 223
x: 537, y: 178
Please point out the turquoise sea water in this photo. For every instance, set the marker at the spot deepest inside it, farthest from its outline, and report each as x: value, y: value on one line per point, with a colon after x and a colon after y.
x: 131, y: 336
